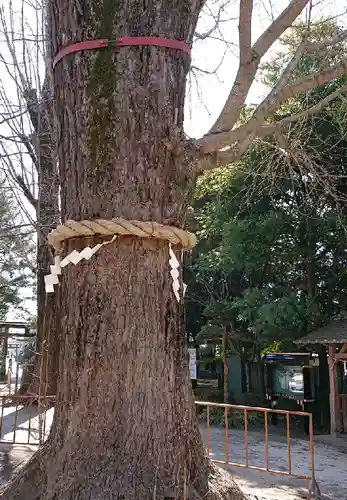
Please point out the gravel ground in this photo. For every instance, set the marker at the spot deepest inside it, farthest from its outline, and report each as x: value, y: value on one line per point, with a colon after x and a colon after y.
x: 331, y: 461
x: 331, y: 464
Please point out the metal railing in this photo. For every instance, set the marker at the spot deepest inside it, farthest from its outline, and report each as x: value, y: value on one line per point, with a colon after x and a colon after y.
x: 23, y: 419
x: 246, y: 410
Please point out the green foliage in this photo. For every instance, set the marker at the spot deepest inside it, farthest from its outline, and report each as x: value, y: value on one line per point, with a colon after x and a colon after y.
x: 16, y: 257
x: 235, y: 418
x: 311, y: 62
x: 211, y: 394
x: 271, y: 260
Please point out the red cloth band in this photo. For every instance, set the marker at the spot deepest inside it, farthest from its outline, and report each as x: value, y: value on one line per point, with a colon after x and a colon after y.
x: 125, y: 41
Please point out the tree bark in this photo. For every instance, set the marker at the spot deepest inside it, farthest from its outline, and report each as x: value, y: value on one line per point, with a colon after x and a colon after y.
x: 125, y: 423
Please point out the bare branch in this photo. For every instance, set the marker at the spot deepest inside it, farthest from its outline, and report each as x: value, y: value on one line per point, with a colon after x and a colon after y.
x: 248, y: 67
x: 30, y: 96
x: 307, y: 83
x: 261, y: 111
x: 26, y: 191
x: 313, y: 110
x: 29, y: 121
x: 318, y: 46
x: 29, y: 147
x: 217, y: 21
x: 222, y: 158
x: 216, y: 142
x: 242, y: 137
x: 245, y: 31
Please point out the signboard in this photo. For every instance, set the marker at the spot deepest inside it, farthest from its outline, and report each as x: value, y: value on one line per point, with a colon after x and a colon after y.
x: 288, y: 381
x: 192, y: 363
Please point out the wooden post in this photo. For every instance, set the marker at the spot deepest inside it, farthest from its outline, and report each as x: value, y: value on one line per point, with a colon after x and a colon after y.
x: 225, y: 367
x: 334, y: 398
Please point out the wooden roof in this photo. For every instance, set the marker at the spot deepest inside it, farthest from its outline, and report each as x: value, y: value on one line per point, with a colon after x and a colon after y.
x: 333, y: 333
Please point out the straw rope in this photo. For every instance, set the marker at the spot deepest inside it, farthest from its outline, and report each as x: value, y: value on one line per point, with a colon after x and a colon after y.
x: 119, y: 226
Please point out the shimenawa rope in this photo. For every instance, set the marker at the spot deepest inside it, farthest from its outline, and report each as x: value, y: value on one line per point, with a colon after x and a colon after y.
x: 119, y: 226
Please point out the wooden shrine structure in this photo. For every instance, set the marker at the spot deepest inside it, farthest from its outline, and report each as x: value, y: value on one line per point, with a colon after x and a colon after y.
x: 11, y: 330
x: 334, y: 337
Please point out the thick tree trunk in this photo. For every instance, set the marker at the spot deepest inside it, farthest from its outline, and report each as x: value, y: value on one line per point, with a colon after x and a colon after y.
x: 132, y: 428
x: 125, y: 424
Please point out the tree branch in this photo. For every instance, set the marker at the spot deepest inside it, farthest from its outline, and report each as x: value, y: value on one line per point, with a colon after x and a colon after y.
x: 248, y: 67
x: 261, y: 111
x: 313, y: 110
x: 318, y: 46
x: 243, y: 138
x: 306, y: 83
x: 214, y: 142
x: 245, y: 31
x: 217, y: 159
x: 26, y: 191
x: 30, y: 150
x: 217, y: 21
x: 30, y: 96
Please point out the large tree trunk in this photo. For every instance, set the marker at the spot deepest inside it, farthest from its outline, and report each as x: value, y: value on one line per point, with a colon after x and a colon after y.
x: 125, y: 424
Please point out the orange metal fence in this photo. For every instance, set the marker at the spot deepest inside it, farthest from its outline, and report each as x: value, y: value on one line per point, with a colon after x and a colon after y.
x: 246, y: 411
x: 23, y: 419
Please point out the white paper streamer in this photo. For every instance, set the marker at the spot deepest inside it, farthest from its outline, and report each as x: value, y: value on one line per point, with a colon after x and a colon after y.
x: 56, y: 268
x: 74, y: 257
x: 175, y: 264
x: 51, y: 279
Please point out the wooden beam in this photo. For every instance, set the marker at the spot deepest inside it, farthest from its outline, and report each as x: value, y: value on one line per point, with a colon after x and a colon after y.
x: 334, y: 397
x: 343, y: 349
x: 338, y: 356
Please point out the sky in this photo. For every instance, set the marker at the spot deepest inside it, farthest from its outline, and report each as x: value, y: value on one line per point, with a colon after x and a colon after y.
x: 206, y: 93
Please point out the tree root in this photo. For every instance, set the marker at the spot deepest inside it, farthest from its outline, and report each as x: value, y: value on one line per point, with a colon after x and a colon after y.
x: 29, y: 483
x: 222, y: 486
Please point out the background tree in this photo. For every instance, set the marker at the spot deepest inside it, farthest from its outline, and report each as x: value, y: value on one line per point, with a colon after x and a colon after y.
x: 274, y: 238
x: 28, y: 160
x: 16, y: 256
x: 118, y: 427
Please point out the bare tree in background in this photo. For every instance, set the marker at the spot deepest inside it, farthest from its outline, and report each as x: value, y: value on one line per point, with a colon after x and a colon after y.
x: 125, y: 424
x: 29, y: 162
x: 227, y: 139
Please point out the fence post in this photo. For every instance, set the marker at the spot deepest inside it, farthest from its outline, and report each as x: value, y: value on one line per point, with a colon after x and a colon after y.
x: 208, y: 437
x: 288, y: 443
x: 245, y: 413
x: 226, y: 435
x: 314, y: 491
